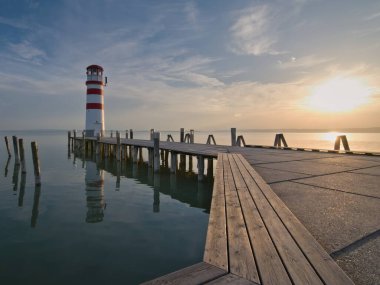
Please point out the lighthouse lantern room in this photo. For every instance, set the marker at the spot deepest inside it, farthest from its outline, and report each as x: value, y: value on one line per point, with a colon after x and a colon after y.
x: 95, y: 101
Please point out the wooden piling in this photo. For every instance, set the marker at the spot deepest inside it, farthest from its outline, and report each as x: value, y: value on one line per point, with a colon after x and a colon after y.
x: 118, y: 154
x: 84, y: 142
x: 182, y: 135
x: 210, y: 167
x: 7, y: 145
x: 131, y: 134
x: 150, y: 157
x: 201, y: 167
x: 126, y: 134
x: 173, y: 162
x: 191, y: 136
x: 97, y: 145
x: 134, y: 154
x: 190, y: 163
x: 22, y: 155
x: 344, y: 140
x: 36, y: 164
x: 68, y: 139
x: 74, y: 140
x: 151, y: 134
x: 15, y: 149
x: 233, y: 136
x: 156, y: 149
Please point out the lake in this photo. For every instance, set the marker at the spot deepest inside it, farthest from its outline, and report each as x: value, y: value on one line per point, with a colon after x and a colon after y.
x: 84, y: 226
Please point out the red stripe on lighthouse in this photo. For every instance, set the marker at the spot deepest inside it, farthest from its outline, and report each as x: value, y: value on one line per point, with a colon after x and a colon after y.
x: 94, y: 91
x: 91, y: 106
x: 94, y: 82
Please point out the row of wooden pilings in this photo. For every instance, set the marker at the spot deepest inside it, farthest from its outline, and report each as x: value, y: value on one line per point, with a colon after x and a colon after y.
x: 19, y: 154
x: 155, y: 155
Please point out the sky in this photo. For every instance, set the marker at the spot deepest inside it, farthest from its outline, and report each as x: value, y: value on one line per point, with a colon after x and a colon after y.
x: 202, y: 65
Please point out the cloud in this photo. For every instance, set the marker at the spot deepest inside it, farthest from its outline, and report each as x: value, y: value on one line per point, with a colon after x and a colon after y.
x: 302, y: 62
x: 26, y: 51
x: 372, y: 16
x: 13, y: 23
x: 251, y: 32
x: 192, y: 13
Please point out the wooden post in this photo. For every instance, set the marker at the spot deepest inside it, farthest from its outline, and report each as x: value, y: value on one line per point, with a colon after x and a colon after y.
x: 191, y: 136
x: 131, y: 134
x: 22, y: 155
x: 6, y: 167
x: 15, y: 149
x: 210, y: 167
x: 182, y: 135
x: 97, y: 144
x: 134, y: 155
x: 173, y: 162
x: 84, y: 142
x: 151, y: 134
x: 126, y: 134
x: 280, y: 139
x: 233, y: 136
x: 150, y: 157
x: 201, y: 167
x: 7, y: 145
x: 36, y: 164
x: 68, y: 139
x: 182, y: 162
x: 344, y: 142
x: 190, y: 163
x: 75, y: 140
x: 156, y: 143
x: 111, y: 134
x: 118, y: 146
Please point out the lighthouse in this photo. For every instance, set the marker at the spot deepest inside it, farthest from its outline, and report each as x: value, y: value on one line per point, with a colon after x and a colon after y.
x: 95, y: 101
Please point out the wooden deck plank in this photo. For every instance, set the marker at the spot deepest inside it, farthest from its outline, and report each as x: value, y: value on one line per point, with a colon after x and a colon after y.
x: 216, y: 242
x: 326, y: 267
x: 269, y: 263
x: 199, y: 273
x: 298, y: 267
x: 231, y: 279
x: 241, y: 259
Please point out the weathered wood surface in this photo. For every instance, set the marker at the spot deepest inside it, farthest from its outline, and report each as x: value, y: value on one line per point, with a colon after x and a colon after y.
x: 266, y: 243
x: 216, y: 241
x: 199, y: 273
x: 319, y: 259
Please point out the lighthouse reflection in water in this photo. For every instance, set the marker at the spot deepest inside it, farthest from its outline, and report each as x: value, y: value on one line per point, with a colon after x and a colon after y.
x: 94, y: 192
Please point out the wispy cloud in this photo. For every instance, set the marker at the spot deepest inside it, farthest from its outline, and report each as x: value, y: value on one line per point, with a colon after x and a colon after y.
x: 192, y: 13
x: 19, y: 24
x: 372, y: 16
x: 26, y: 51
x: 302, y: 62
x: 252, y: 32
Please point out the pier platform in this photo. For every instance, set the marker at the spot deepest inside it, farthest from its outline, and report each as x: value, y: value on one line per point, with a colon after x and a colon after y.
x: 334, y: 197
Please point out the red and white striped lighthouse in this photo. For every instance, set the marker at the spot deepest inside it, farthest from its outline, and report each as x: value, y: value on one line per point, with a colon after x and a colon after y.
x: 95, y: 101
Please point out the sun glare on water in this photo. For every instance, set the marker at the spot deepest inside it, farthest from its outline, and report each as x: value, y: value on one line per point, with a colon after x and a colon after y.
x: 340, y: 94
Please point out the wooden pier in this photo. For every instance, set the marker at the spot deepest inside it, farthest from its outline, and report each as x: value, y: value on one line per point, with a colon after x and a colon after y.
x: 278, y: 214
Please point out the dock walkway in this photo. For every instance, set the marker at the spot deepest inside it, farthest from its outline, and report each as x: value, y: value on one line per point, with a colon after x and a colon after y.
x: 254, y: 237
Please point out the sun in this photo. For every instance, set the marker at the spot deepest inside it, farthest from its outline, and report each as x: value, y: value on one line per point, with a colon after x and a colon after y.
x: 339, y: 94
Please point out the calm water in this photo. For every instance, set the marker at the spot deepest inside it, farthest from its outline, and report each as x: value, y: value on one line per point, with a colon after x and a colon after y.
x: 84, y: 226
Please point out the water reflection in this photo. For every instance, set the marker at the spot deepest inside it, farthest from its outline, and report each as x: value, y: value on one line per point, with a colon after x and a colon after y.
x: 6, y: 167
x: 36, y: 202
x: 94, y: 192
x: 183, y: 186
x: 16, y: 170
